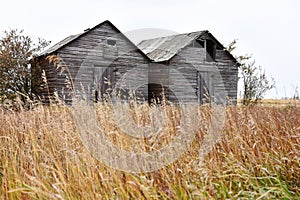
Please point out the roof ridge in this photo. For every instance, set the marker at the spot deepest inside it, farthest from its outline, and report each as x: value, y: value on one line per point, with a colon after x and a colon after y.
x: 169, y: 36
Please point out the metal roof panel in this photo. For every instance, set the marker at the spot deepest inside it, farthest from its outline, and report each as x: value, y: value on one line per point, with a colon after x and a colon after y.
x: 164, y: 48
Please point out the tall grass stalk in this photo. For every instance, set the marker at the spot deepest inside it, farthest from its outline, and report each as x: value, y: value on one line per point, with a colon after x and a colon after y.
x: 258, y: 157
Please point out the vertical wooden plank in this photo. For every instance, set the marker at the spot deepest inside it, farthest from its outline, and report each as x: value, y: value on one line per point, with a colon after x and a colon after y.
x: 205, y: 87
x: 211, y: 86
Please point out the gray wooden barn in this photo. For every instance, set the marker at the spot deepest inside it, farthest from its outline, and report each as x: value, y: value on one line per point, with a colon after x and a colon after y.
x: 191, y: 67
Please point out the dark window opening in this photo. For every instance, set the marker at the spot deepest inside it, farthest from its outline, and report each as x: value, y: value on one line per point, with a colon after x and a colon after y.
x: 111, y: 42
x: 200, y: 43
x: 110, y: 49
x: 156, y: 93
x: 211, y: 51
x: 96, y: 96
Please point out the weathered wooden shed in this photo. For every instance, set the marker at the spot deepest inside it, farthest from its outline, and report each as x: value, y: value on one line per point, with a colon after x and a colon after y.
x: 90, y: 61
x: 192, y: 67
x: 195, y: 65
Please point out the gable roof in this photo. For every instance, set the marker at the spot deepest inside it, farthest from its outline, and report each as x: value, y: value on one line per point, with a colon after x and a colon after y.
x: 157, y: 49
x: 164, y: 48
x: 72, y: 38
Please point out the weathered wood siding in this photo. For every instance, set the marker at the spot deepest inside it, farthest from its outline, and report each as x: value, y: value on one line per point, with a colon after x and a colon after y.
x: 184, y: 73
x: 89, y: 55
x: 204, y: 81
x: 102, y: 60
x: 229, y: 72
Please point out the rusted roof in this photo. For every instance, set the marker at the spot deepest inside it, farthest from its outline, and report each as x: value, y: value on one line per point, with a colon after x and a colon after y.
x: 164, y: 48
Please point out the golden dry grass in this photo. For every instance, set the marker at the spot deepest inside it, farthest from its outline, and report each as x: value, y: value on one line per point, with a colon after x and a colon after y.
x: 277, y: 102
x: 258, y: 157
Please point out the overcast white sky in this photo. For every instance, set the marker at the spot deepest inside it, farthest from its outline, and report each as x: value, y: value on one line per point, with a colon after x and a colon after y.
x: 268, y: 29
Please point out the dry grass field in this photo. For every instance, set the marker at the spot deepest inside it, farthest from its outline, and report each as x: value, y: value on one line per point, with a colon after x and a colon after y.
x: 257, y: 157
x: 278, y: 102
